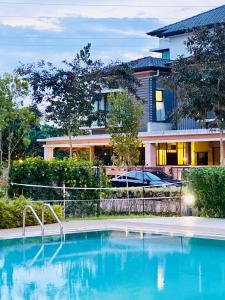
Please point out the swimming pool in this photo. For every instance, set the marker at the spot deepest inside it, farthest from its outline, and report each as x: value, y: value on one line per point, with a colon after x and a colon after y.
x: 108, y: 265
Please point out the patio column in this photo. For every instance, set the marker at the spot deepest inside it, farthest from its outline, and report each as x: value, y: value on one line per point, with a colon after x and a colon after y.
x: 150, y: 155
x: 48, y: 152
x: 224, y: 151
x: 92, y: 153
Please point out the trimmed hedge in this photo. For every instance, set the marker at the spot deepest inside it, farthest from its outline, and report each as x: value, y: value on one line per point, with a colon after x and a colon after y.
x: 71, y: 172
x: 208, y: 186
x: 55, y: 172
x: 142, y: 193
x: 11, y: 212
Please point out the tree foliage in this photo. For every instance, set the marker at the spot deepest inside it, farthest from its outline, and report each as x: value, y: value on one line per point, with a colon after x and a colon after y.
x: 36, y: 132
x: 200, y: 78
x: 123, y: 125
x: 15, y: 119
x: 207, y: 185
x: 69, y: 92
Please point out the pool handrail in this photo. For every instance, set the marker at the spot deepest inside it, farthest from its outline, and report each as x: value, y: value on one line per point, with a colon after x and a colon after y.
x: 54, y: 214
x: 36, y: 217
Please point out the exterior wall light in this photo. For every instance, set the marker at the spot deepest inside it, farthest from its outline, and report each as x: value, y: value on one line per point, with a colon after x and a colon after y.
x: 189, y: 200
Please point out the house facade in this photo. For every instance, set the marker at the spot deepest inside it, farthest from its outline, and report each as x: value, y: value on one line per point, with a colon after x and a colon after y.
x: 163, y: 143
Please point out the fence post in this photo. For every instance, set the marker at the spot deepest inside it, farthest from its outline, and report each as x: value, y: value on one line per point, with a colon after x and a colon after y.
x: 143, y: 190
x: 99, y: 191
x: 181, y: 200
x: 143, y: 206
x: 127, y: 191
x: 64, y: 200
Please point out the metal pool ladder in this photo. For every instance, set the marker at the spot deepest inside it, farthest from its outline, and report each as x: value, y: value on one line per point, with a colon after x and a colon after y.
x: 41, y: 223
x: 54, y: 214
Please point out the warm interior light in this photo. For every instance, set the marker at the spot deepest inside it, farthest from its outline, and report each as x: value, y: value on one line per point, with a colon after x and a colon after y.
x: 189, y: 199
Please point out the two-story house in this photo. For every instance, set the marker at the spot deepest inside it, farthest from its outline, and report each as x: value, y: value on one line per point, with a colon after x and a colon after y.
x: 163, y: 143
x: 158, y: 106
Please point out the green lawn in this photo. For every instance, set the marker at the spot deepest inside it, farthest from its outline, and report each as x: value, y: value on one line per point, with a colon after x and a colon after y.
x: 108, y: 217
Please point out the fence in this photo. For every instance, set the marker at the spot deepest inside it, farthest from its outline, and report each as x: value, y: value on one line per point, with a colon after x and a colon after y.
x: 112, y: 201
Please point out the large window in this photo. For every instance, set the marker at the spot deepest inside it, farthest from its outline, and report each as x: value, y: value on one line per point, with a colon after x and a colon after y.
x: 101, y: 108
x: 172, y: 154
x: 202, y: 158
x: 160, y: 107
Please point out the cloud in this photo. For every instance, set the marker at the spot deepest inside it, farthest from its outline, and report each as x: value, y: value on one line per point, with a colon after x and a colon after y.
x: 40, y: 24
x: 125, y: 32
x: 156, y: 9
x: 33, y: 32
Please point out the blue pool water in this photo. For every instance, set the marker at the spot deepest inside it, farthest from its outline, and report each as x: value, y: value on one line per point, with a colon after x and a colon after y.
x: 110, y: 266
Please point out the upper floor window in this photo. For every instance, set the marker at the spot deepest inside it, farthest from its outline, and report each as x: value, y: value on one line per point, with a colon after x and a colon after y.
x: 101, y: 109
x: 160, y: 106
x: 166, y: 54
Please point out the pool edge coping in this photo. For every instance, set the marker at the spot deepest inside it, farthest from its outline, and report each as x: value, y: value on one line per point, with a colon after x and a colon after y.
x: 124, y: 228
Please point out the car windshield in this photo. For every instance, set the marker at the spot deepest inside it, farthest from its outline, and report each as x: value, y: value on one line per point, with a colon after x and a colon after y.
x: 129, y: 176
x: 160, y: 174
x: 138, y: 175
x: 151, y: 177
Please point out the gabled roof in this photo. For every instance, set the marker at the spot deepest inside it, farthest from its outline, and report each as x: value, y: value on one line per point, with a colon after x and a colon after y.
x: 149, y: 62
x: 209, y: 19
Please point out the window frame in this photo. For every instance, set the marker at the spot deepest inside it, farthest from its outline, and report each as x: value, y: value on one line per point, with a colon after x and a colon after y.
x: 160, y: 101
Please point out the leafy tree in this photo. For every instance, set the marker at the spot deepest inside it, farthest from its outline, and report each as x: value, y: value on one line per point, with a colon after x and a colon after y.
x: 5, y: 105
x: 69, y: 92
x: 16, y: 120
x: 200, y: 79
x: 123, y: 125
x: 36, y: 132
x: 19, y: 122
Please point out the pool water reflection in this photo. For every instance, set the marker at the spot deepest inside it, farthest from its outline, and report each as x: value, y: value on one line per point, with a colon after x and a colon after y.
x: 110, y: 266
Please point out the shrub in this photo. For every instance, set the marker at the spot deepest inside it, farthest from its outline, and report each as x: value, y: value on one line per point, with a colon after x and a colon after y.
x: 11, y: 212
x: 142, y: 192
x: 208, y: 186
x: 71, y: 172
x: 2, y: 192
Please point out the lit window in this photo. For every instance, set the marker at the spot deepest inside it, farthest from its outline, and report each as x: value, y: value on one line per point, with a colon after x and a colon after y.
x: 160, y: 107
x: 159, y: 95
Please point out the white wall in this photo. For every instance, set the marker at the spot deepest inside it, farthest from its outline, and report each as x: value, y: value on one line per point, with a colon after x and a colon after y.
x: 175, y: 44
x: 157, y: 126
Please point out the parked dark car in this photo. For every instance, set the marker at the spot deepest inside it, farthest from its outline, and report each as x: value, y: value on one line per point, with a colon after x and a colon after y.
x: 165, y: 177
x: 138, y: 178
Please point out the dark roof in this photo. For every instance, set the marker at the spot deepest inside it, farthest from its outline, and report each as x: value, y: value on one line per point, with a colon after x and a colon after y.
x: 209, y: 19
x: 149, y: 62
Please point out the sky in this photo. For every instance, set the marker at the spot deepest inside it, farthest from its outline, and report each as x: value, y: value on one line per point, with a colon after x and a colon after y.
x: 55, y: 30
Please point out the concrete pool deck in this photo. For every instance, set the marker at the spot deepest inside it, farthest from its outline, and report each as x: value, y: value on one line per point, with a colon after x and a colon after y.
x: 172, y: 226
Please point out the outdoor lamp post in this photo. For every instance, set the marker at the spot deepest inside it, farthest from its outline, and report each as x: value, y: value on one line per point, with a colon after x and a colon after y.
x: 189, y: 200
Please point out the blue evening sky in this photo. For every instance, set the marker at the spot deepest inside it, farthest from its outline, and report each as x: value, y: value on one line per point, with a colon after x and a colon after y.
x: 55, y: 30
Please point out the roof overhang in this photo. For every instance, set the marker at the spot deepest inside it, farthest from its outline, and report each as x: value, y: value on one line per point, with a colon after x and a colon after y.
x: 151, y: 68
x: 167, y: 136
x: 159, y: 50
x: 162, y: 33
